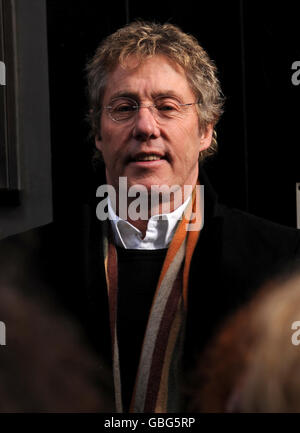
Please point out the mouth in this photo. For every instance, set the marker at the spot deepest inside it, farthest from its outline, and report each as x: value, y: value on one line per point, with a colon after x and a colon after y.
x: 147, y: 158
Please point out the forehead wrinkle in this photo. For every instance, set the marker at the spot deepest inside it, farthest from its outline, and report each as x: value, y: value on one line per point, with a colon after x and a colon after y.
x: 124, y: 94
x: 149, y: 80
x: 154, y: 95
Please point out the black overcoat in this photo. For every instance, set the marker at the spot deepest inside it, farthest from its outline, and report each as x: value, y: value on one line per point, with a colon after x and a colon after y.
x: 236, y: 253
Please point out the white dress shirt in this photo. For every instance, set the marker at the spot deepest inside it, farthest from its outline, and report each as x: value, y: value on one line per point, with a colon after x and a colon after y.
x: 160, y: 230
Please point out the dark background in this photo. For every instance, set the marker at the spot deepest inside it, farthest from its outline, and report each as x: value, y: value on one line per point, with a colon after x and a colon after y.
x: 253, y: 44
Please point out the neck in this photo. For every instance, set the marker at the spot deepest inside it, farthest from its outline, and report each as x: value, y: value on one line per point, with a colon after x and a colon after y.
x: 140, y: 225
x: 141, y: 209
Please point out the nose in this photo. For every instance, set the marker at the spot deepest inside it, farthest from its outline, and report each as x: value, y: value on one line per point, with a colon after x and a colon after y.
x: 145, y: 125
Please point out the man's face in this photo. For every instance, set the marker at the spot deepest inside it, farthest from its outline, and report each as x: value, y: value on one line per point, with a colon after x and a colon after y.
x: 175, y: 143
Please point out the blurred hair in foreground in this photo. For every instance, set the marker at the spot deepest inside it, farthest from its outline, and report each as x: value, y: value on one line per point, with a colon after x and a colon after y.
x: 252, y: 364
x: 46, y: 366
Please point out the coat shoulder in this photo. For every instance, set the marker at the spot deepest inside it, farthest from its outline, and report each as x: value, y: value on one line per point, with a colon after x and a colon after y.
x: 254, y: 233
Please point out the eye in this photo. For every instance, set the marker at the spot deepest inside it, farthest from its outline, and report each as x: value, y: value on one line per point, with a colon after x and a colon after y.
x: 124, y: 108
x: 123, y: 105
x: 167, y: 106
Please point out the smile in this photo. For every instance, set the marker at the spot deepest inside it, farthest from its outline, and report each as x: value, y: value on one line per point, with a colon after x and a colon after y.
x: 149, y: 158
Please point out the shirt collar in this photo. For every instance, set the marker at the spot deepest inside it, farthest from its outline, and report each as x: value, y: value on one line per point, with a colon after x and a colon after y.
x: 160, y: 229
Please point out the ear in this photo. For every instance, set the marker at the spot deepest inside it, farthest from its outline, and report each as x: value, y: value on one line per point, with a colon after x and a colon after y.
x: 206, y: 137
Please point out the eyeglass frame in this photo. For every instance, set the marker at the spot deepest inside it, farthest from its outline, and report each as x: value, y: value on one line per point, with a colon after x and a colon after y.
x: 137, y: 107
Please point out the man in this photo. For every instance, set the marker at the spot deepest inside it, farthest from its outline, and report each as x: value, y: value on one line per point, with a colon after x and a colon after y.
x: 154, y: 103
x: 158, y: 279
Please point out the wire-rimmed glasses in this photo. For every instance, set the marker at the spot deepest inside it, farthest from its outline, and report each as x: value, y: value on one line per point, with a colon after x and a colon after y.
x: 125, y: 109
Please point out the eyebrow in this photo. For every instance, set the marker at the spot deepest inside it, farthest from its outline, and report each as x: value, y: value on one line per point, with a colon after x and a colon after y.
x: 123, y: 94
x: 155, y: 95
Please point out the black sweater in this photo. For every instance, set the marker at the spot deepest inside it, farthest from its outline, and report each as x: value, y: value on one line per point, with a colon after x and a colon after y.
x: 139, y: 272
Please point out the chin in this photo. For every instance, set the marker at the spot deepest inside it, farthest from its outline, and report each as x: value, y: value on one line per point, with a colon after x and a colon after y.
x: 149, y: 184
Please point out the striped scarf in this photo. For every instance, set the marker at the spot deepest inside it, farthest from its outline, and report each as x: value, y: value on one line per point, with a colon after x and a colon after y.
x: 156, y: 384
